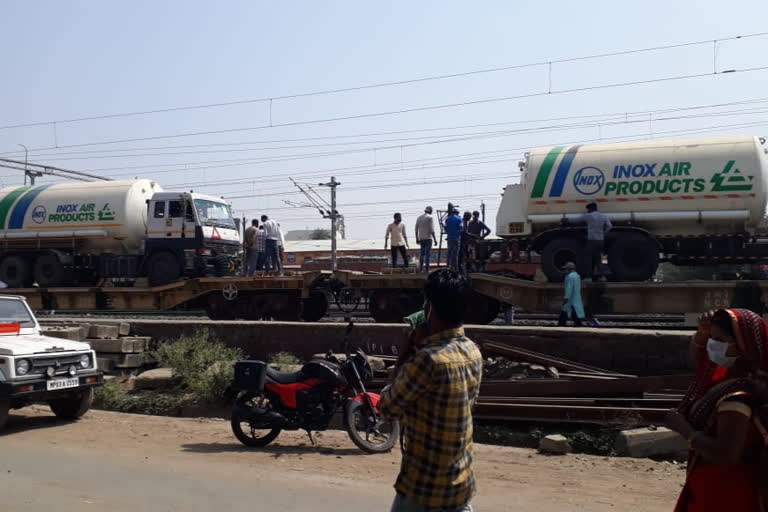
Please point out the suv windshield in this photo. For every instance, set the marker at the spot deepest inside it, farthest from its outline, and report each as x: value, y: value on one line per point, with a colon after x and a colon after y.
x: 13, y: 311
x: 214, y: 214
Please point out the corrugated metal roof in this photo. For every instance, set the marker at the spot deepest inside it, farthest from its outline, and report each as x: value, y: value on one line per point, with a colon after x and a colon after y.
x: 341, y: 245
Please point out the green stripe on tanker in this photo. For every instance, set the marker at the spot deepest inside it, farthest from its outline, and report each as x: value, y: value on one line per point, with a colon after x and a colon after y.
x: 7, y: 202
x: 546, y: 168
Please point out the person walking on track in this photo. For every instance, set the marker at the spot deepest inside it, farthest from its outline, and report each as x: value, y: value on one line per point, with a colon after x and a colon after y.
x: 396, y: 231
x: 572, y: 304
x: 425, y: 235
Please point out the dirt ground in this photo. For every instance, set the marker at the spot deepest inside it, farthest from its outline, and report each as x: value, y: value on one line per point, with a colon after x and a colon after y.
x: 195, y: 449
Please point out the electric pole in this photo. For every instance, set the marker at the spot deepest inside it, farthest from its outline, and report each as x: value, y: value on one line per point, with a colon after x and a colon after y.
x: 333, y: 215
x: 482, y: 209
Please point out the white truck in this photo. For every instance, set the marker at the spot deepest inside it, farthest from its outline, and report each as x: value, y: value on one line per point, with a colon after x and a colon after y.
x: 687, y: 201
x: 36, y: 368
x: 80, y: 233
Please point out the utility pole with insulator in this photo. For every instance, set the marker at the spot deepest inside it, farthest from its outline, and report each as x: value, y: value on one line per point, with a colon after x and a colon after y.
x: 333, y: 215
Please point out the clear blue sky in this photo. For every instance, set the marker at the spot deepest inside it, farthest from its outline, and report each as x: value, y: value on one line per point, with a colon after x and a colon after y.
x: 65, y: 60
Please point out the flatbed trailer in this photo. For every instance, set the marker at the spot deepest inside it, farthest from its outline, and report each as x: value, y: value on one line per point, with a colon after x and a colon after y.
x: 389, y: 296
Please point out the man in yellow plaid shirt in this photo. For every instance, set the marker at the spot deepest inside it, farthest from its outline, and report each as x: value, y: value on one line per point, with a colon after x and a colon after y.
x: 433, y: 395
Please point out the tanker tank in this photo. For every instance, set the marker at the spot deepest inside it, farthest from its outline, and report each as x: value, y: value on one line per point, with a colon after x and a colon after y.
x: 655, y: 192
x: 104, y: 216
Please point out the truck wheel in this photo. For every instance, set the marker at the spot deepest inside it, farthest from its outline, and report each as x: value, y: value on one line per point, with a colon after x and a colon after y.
x: 5, y: 408
x: 163, y: 268
x: 218, y: 308
x: 14, y: 271
x: 73, y: 406
x: 557, y: 253
x: 482, y: 309
x: 633, y: 257
x: 49, y: 271
x: 314, y: 307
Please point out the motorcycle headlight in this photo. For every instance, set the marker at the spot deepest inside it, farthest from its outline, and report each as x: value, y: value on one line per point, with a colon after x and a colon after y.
x: 22, y: 367
x: 85, y: 361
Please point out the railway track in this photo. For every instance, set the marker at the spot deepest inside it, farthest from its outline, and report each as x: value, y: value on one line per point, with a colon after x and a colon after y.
x: 653, y: 322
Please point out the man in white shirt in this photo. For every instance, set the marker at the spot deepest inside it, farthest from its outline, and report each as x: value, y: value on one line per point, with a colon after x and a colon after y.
x: 425, y: 235
x: 273, y: 236
x: 396, y: 231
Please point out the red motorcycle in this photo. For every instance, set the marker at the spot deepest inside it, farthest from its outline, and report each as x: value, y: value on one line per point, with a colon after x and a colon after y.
x: 269, y: 401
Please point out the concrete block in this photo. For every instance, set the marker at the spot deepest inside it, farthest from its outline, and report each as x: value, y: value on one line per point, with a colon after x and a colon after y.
x: 139, y: 343
x: 103, y: 332
x: 124, y: 360
x: 646, y: 442
x: 66, y: 333
x: 118, y: 346
x: 124, y: 329
x: 104, y: 364
x: 159, y: 378
x: 555, y: 444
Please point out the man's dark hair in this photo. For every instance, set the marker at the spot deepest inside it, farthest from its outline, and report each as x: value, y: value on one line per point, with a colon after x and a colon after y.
x: 396, y: 215
x: 448, y: 292
x: 255, y: 223
x: 264, y: 218
x: 475, y: 213
x: 592, y: 207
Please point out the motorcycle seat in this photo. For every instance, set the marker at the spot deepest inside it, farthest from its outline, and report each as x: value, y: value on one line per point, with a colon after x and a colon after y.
x: 285, y: 377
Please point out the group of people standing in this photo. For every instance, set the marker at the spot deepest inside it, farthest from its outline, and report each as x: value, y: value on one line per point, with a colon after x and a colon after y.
x: 263, y: 244
x: 459, y: 231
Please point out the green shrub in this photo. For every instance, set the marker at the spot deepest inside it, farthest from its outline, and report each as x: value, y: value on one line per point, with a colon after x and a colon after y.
x: 283, y: 359
x: 112, y: 397
x: 205, y: 366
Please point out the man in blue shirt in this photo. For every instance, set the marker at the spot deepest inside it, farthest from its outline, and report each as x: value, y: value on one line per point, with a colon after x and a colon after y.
x: 453, y: 228
x: 573, y: 307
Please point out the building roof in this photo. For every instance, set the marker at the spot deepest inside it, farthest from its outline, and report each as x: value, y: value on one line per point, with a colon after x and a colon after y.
x: 325, y: 245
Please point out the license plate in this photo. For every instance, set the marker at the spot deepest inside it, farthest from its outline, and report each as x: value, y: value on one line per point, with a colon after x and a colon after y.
x: 55, y: 384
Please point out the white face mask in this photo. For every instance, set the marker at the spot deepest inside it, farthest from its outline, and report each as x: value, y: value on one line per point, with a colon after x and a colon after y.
x: 716, y: 351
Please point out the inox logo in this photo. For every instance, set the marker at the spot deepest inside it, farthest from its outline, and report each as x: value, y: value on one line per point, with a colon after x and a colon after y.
x: 39, y: 214
x: 589, y: 180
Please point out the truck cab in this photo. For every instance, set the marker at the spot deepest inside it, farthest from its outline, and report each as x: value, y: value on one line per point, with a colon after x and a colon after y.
x: 189, y: 234
x: 36, y: 368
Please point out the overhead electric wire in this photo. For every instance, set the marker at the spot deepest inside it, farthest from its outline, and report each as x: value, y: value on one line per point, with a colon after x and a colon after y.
x: 624, y: 115
x: 428, y: 108
x: 614, y: 120
x: 619, y: 120
x: 391, y: 83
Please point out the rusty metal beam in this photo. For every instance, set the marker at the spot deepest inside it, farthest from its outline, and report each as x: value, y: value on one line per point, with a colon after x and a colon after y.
x: 538, y: 358
x: 545, y: 413
x: 575, y: 388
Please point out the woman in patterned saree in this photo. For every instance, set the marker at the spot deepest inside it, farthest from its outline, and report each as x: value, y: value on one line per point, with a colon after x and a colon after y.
x: 728, y: 460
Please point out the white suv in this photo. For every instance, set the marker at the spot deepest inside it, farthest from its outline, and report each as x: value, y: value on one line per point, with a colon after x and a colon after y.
x: 36, y: 368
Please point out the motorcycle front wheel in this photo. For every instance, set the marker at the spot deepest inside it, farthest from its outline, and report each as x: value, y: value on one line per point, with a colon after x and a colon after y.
x: 249, y: 431
x: 368, y: 434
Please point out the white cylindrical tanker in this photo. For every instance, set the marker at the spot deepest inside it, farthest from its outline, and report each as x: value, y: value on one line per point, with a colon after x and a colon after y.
x: 79, y: 233
x: 655, y: 192
x: 109, y: 216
